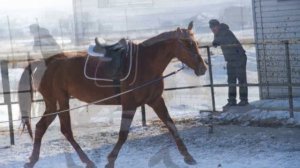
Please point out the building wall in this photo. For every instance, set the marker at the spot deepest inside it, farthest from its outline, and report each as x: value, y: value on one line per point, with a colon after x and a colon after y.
x: 276, y: 21
x: 94, y: 17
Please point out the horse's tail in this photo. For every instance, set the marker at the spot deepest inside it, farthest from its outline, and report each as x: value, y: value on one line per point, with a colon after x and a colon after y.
x: 25, y: 94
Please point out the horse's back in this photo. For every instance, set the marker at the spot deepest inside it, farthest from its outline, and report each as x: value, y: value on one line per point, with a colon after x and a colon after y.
x: 75, y: 54
x: 68, y: 76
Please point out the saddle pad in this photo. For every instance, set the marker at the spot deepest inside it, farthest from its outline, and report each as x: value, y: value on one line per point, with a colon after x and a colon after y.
x: 97, y: 68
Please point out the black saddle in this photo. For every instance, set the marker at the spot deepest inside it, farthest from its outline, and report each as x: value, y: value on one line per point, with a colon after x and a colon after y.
x: 107, y: 50
x: 116, y: 56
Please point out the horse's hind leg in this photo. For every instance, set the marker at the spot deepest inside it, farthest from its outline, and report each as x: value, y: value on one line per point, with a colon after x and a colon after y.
x: 127, y: 116
x: 41, y: 128
x: 161, y: 110
x: 65, y: 125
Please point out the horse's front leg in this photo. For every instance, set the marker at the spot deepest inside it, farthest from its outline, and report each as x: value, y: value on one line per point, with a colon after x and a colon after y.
x: 127, y: 116
x: 162, y: 112
x: 41, y: 128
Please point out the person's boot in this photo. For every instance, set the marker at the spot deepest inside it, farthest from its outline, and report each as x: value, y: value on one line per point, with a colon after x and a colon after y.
x: 243, y: 103
x: 229, y: 104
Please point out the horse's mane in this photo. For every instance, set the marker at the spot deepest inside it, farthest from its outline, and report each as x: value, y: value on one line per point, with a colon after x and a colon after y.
x: 166, y: 36
x: 159, y: 38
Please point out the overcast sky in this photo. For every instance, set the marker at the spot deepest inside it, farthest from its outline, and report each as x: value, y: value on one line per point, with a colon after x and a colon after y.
x: 30, y: 10
x: 28, y: 7
x: 9, y: 6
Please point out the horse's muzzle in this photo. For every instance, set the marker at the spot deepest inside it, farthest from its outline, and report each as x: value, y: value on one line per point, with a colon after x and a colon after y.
x: 200, y: 70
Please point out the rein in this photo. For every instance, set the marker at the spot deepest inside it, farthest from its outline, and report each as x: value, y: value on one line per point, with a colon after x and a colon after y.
x: 108, y: 98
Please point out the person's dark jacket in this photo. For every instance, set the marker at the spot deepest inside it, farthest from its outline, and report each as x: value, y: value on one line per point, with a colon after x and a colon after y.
x: 231, y: 47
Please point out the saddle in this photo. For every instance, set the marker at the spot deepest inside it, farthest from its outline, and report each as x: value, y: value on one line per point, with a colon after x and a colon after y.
x: 107, y: 62
x: 105, y: 52
x: 121, y: 44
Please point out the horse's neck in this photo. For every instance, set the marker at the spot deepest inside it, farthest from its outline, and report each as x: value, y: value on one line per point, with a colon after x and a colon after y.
x: 156, y: 57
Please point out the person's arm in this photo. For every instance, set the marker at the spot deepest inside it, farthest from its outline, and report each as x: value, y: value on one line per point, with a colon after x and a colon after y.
x: 230, y: 38
x: 232, y: 41
x: 217, y: 41
x: 220, y: 38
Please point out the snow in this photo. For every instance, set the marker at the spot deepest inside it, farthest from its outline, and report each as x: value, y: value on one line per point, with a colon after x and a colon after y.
x: 228, y: 147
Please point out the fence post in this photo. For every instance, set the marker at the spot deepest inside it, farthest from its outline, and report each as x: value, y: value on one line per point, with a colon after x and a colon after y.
x: 144, y: 115
x: 289, y: 75
x: 10, y: 37
x: 7, y: 98
x: 212, y: 90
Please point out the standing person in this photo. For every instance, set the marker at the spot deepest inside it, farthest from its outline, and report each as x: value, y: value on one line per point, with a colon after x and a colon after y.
x: 44, y: 41
x: 236, y: 59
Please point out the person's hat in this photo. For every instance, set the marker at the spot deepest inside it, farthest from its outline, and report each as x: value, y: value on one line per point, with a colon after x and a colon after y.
x: 213, y: 23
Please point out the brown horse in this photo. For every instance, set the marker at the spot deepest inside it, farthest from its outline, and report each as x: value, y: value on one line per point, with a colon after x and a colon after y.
x: 65, y: 78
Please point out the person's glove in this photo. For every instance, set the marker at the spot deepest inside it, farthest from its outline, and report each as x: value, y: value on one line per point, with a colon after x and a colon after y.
x: 215, y: 44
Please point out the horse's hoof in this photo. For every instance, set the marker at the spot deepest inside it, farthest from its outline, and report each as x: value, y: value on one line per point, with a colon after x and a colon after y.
x: 190, y: 160
x: 28, y: 165
x: 91, y: 165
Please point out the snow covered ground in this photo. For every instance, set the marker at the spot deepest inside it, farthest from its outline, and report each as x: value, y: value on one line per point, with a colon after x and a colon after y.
x: 228, y: 147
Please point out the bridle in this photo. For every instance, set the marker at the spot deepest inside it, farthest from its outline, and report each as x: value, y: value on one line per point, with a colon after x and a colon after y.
x: 194, y: 55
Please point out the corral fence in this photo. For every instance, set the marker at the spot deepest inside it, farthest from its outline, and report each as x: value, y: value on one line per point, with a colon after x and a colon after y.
x: 289, y: 84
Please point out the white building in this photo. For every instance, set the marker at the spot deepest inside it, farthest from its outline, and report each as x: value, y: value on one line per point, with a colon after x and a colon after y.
x: 103, y: 17
x: 146, y: 18
x: 276, y: 21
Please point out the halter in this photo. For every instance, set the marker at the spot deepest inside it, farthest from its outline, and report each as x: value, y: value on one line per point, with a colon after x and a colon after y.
x: 194, y: 55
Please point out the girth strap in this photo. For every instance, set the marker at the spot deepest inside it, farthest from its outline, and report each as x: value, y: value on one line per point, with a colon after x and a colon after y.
x: 117, y: 83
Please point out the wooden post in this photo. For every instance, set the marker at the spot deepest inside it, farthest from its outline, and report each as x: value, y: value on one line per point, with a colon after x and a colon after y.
x: 212, y: 90
x: 7, y: 98
x: 289, y: 75
x: 144, y: 115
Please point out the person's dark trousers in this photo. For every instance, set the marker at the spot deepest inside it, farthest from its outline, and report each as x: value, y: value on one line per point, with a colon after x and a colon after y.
x: 236, y: 71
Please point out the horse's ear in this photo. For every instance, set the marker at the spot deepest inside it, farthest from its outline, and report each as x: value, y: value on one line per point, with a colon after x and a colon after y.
x: 191, y: 24
x: 97, y: 42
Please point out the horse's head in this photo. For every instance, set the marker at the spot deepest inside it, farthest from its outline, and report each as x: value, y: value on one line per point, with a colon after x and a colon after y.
x: 187, y: 50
